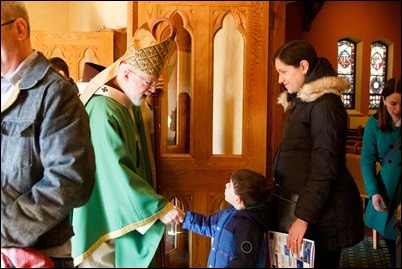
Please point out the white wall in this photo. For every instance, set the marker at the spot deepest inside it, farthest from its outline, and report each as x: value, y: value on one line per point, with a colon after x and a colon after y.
x: 85, y: 16
x: 50, y: 15
x: 95, y: 15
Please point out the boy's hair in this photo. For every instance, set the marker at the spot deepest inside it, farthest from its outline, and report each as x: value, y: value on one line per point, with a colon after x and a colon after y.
x: 252, y: 187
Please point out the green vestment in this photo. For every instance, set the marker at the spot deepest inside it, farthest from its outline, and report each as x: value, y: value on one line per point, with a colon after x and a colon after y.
x: 123, y: 198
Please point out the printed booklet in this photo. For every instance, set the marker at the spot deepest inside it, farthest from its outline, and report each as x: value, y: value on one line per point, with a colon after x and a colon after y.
x: 281, y: 257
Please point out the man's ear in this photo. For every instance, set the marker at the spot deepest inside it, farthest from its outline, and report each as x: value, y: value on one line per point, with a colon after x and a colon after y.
x: 126, y: 74
x: 22, y: 28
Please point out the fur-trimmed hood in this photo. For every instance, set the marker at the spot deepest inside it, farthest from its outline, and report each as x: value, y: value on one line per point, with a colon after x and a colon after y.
x: 313, y: 90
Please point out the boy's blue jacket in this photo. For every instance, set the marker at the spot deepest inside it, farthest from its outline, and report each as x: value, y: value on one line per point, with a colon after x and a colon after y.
x: 238, y: 236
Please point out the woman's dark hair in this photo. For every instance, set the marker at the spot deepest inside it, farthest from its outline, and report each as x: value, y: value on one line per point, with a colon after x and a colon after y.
x: 393, y: 85
x: 252, y: 187
x: 293, y: 52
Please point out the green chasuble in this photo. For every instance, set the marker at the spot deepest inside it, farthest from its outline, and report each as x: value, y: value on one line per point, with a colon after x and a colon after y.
x: 123, y: 198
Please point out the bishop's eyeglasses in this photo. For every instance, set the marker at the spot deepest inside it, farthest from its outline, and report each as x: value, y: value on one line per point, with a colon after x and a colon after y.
x: 150, y: 84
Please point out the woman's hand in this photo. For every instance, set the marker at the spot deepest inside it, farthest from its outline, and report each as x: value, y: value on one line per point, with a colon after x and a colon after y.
x: 379, y: 203
x: 296, y: 235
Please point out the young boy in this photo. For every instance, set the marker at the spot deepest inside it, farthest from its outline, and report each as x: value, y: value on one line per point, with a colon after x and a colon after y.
x: 238, y: 230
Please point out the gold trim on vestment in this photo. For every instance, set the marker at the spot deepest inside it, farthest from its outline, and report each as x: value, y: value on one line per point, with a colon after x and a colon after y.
x: 115, y: 234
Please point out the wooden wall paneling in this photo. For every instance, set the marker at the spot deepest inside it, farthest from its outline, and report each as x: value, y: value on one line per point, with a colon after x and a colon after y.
x: 78, y: 47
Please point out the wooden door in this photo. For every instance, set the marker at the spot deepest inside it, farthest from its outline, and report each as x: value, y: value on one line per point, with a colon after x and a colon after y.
x: 206, y: 76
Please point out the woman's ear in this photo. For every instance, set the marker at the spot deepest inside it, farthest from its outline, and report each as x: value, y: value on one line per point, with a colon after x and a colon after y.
x: 304, y: 65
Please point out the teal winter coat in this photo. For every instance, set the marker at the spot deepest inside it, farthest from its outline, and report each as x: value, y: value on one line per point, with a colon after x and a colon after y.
x: 376, y: 143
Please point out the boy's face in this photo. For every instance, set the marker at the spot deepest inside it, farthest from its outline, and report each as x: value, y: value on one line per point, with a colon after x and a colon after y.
x: 230, y: 196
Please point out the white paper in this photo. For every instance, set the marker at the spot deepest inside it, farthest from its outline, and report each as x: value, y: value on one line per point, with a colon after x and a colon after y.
x: 281, y: 257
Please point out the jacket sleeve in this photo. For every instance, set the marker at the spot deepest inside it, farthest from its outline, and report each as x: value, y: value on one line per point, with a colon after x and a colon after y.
x: 204, y: 225
x: 369, y: 157
x: 247, y: 246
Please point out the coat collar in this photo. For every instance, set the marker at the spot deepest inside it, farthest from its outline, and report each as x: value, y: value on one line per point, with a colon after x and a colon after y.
x: 314, y: 90
x: 116, y: 95
x: 9, y: 97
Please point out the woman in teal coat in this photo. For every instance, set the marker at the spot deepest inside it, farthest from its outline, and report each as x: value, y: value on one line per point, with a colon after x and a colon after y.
x: 381, y: 133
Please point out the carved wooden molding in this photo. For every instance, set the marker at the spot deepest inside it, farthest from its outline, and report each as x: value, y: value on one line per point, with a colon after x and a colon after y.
x: 76, y: 48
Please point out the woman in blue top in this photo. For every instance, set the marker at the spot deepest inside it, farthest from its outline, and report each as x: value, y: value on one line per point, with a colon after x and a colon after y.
x: 381, y: 132
x: 237, y: 231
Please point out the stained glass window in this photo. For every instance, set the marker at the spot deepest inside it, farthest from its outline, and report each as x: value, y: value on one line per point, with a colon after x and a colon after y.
x: 346, y: 70
x: 378, y: 72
